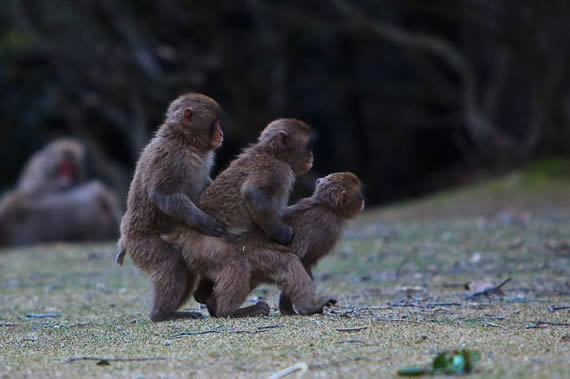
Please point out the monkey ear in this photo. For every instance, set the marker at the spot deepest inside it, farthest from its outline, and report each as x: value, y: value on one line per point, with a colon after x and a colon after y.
x: 343, y: 199
x: 187, y: 117
x: 282, y: 139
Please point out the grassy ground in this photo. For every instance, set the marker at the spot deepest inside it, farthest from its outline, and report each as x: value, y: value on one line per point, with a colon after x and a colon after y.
x: 399, y: 282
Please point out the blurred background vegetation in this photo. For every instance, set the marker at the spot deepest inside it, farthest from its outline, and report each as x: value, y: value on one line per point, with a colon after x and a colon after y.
x: 412, y: 95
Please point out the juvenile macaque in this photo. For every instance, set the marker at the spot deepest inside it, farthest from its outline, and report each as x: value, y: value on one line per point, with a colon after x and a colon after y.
x: 172, y: 172
x: 88, y: 212
x: 253, y: 193
x: 317, y: 222
x: 58, y: 166
x: 255, y: 188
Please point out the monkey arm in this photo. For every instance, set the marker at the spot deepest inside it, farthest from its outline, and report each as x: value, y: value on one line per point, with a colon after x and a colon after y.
x: 179, y: 206
x: 264, y: 203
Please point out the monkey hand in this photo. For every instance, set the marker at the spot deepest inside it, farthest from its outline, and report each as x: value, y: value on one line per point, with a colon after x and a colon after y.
x: 283, y: 234
x: 210, y: 226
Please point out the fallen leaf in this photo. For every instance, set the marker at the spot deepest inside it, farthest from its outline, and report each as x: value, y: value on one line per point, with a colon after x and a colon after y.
x: 476, y: 286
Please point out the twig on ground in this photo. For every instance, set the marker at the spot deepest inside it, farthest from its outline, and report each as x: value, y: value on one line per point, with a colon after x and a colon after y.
x: 247, y: 331
x: 273, y: 326
x: 554, y: 308
x: 7, y: 324
x: 41, y: 315
x: 489, y: 291
x: 182, y: 334
x: 261, y: 329
x: 488, y: 323
x: 350, y: 341
x: 433, y: 305
x: 540, y: 322
x: 73, y: 359
x: 301, y: 366
x: 348, y: 330
x: 401, y: 320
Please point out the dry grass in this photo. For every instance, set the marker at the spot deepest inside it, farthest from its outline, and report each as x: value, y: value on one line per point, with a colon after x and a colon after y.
x: 101, y: 308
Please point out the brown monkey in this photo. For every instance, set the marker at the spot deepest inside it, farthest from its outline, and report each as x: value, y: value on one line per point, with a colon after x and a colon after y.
x: 253, y: 192
x: 88, y: 212
x: 172, y: 172
x: 58, y: 166
x: 317, y: 222
x: 255, y: 188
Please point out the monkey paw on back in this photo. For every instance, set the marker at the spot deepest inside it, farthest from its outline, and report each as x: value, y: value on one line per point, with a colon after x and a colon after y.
x: 210, y: 226
x: 282, y: 233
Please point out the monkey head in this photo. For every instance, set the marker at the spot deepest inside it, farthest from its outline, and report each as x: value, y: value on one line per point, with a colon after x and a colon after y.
x: 58, y: 166
x: 70, y: 167
x: 197, y: 118
x: 291, y: 140
x: 342, y: 192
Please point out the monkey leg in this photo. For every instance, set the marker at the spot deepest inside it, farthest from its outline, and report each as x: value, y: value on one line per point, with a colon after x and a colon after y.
x: 230, y: 291
x: 286, y: 305
x: 204, y: 290
x: 296, y: 283
x: 172, y: 281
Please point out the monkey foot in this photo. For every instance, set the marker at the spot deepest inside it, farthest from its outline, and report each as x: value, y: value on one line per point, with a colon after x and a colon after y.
x: 262, y: 308
x: 181, y: 316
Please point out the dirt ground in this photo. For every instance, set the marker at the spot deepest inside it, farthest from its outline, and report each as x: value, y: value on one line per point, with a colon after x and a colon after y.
x: 398, y: 274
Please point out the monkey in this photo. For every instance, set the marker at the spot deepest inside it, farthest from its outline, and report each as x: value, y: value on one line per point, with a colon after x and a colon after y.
x: 171, y: 173
x: 336, y: 199
x: 58, y: 166
x: 89, y: 212
x: 252, y: 193
x: 230, y: 272
x: 255, y: 187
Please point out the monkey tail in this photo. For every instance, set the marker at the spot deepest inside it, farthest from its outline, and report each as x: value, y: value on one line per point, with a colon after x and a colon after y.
x: 121, y: 252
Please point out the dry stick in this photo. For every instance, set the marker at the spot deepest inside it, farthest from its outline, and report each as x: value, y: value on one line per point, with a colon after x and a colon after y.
x: 260, y: 329
x: 194, y: 333
x: 301, y: 366
x: 399, y: 319
x: 357, y: 329
x: 553, y: 323
x: 554, y: 308
x: 41, y: 315
x: 489, y: 290
x: 73, y: 359
x: 433, y: 305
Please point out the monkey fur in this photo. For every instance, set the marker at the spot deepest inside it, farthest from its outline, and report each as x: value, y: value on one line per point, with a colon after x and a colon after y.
x: 89, y: 212
x: 58, y: 166
x: 253, y: 193
x: 255, y: 187
x: 317, y: 221
x: 171, y: 173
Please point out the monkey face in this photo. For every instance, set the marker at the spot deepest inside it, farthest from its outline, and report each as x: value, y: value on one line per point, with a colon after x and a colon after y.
x: 301, y: 154
x: 341, y: 191
x: 217, y: 135
x: 66, y: 172
x: 196, y: 116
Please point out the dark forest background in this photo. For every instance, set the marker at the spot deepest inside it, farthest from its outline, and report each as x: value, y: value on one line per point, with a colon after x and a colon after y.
x: 412, y: 95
